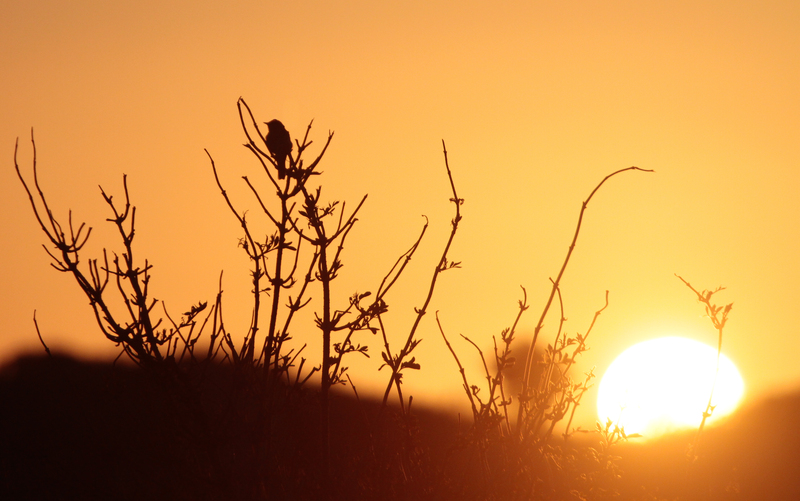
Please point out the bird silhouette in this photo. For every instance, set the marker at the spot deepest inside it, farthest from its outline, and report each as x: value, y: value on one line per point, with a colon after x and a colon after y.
x: 279, y: 145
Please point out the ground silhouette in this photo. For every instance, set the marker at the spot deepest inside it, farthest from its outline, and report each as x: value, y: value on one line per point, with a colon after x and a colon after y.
x: 84, y: 430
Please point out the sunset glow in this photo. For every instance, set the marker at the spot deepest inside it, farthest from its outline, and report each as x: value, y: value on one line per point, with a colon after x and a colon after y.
x: 664, y: 384
x: 537, y: 101
x: 393, y: 250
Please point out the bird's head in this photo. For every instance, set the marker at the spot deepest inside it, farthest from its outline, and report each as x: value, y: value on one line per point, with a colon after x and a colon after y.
x: 275, y: 126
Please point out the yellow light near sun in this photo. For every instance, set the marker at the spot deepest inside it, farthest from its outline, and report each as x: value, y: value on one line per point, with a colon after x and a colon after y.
x: 663, y: 385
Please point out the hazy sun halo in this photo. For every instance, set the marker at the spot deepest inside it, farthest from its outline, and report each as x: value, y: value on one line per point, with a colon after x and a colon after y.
x: 663, y: 385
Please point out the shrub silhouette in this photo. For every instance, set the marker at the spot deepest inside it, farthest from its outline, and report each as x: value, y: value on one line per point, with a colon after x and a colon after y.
x: 264, y: 381
x: 209, y: 416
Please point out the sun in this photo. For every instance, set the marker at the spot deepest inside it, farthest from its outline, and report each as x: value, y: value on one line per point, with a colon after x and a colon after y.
x: 663, y: 385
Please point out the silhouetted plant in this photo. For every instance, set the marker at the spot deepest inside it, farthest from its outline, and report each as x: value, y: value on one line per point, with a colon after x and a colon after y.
x: 510, y: 453
x: 719, y: 317
x: 524, y: 456
x: 138, y: 334
x: 528, y: 390
x: 324, y: 228
x: 398, y: 362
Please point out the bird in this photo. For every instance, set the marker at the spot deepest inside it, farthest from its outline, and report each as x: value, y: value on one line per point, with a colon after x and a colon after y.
x: 279, y: 145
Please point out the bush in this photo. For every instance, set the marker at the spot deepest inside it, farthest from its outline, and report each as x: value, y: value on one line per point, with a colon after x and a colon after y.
x: 237, y: 416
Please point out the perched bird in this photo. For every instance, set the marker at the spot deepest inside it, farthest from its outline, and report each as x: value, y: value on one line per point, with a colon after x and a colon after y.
x: 279, y: 145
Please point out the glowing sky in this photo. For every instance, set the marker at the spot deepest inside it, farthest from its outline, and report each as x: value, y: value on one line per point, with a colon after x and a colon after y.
x: 537, y: 102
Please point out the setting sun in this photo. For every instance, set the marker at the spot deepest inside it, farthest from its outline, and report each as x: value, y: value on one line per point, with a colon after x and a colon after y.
x: 663, y: 385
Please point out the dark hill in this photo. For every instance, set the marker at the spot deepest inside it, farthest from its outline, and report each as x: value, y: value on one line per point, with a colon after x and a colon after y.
x: 79, y: 430
x: 754, y: 455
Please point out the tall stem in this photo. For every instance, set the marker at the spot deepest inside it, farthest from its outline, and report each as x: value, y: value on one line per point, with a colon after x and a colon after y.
x: 526, y: 383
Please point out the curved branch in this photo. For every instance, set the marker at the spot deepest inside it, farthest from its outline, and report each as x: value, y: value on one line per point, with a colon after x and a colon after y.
x: 529, y: 359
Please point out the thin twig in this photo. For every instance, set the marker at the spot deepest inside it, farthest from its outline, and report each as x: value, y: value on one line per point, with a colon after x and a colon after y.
x: 38, y: 333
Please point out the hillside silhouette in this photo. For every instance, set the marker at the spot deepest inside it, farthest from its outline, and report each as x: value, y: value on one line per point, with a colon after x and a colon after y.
x: 754, y: 454
x: 87, y: 430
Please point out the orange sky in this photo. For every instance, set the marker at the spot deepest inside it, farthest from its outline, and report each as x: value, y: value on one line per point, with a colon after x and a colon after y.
x: 537, y: 102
